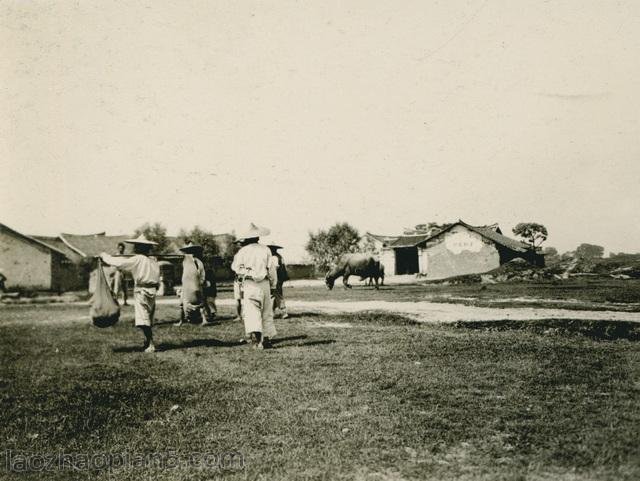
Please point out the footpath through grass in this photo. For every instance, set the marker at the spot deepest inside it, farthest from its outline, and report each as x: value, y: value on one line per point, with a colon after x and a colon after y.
x: 370, y: 396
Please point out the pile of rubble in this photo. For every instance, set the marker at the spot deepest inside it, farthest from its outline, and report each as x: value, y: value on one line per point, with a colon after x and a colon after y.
x: 519, y: 270
x: 516, y: 270
x: 620, y: 266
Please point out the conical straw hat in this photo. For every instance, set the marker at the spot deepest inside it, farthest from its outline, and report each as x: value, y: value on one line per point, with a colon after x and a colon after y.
x: 254, y: 231
x: 141, y: 239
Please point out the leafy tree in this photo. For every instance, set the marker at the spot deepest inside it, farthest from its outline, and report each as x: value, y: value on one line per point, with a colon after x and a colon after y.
x: 197, y: 235
x: 229, y: 251
x: 326, y: 247
x: 587, y: 256
x: 216, y: 248
x: 589, y: 252
x: 551, y: 255
x: 533, y: 233
x: 429, y: 228
x: 368, y: 245
x: 567, y: 256
x: 155, y: 232
x: 417, y: 229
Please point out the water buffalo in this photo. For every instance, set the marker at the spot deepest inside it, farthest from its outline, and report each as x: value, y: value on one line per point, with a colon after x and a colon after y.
x: 380, y: 276
x: 362, y: 265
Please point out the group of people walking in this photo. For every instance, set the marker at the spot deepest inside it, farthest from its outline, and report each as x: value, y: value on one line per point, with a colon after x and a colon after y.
x: 259, y: 270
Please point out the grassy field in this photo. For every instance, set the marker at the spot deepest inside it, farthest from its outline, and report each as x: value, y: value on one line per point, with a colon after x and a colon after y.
x: 586, y: 293
x: 367, y: 396
x: 576, y: 293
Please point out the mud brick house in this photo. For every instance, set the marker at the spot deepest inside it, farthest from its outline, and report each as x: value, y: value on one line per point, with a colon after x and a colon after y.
x: 458, y: 249
x: 30, y: 263
x: 66, y: 262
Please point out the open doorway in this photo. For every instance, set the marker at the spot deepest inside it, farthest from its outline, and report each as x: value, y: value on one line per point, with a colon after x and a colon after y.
x: 407, y: 260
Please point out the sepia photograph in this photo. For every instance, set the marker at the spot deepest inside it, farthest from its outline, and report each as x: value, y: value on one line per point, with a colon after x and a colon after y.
x: 320, y: 240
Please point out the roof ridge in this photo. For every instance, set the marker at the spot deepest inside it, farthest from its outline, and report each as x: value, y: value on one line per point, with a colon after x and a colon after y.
x: 97, y: 234
x: 68, y: 244
x: 479, y: 230
x: 32, y: 239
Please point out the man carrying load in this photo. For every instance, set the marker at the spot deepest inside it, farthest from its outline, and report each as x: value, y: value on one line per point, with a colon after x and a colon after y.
x: 193, y: 298
x: 146, y: 277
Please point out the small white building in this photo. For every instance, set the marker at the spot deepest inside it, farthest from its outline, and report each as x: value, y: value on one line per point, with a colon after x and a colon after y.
x: 459, y: 249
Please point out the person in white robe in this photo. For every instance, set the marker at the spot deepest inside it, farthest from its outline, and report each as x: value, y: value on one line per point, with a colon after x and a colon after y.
x: 256, y: 272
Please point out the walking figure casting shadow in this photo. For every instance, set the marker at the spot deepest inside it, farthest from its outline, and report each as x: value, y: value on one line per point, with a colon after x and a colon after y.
x: 363, y: 265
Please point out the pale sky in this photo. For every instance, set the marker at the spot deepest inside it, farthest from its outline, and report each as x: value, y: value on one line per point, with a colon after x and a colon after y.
x: 298, y: 114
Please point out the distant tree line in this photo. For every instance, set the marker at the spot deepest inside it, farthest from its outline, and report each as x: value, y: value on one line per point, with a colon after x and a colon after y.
x: 213, y: 250
x: 326, y: 246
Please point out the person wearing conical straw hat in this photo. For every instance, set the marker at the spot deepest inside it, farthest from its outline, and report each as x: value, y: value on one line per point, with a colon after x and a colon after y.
x: 257, y: 273
x: 283, y: 276
x: 193, y: 298
x: 146, y: 277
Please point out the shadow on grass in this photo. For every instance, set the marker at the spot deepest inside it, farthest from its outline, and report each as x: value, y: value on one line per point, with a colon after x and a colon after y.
x: 290, y: 338
x: 218, y: 320
x: 170, y: 346
x: 276, y: 342
x: 165, y: 322
x: 317, y: 343
x: 303, y: 314
x: 128, y: 349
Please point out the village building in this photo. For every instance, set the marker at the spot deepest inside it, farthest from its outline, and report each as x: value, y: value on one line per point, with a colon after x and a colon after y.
x: 458, y: 249
x: 66, y: 262
x: 28, y: 263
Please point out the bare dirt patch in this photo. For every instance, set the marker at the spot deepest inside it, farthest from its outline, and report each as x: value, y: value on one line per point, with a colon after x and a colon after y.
x: 439, y: 312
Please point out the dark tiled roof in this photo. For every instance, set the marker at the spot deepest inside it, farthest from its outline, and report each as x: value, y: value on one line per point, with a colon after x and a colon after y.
x: 56, y: 243
x: 491, y: 232
x: 385, y: 239
x: 93, y: 244
x: 409, y: 240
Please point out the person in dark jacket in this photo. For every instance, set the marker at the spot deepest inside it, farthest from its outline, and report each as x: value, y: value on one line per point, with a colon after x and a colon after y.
x: 283, y: 276
x: 117, y: 280
x: 3, y: 279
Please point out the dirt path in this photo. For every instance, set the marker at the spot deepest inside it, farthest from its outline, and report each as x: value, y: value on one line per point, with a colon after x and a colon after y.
x: 425, y: 311
x: 422, y: 311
